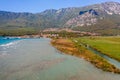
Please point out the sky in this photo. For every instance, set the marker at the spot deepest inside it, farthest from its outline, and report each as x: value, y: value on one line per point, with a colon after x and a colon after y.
x: 36, y: 6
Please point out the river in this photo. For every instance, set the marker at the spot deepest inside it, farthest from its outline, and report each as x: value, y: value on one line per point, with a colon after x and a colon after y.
x: 36, y: 59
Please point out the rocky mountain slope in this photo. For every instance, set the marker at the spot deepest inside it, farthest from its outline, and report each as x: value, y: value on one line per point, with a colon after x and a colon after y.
x: 97, y: 18
x: 85, y: 18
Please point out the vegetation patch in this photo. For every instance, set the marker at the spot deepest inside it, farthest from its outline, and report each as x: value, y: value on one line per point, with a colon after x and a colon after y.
x: 69, y: 47
x: 109, y: 46
x: 17, y: 32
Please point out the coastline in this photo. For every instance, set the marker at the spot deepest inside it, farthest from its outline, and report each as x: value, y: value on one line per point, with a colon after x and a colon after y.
x: 70, y: 48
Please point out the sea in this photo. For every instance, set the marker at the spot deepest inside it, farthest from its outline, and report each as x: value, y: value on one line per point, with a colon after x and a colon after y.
x: 6, y: 40
x: 6, y: 43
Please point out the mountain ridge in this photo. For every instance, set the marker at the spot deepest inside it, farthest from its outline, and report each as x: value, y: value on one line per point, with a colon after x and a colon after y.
x: 77, y: 18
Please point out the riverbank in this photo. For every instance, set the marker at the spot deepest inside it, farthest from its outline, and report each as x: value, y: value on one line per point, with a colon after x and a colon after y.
x: 109, y: 46
x: 69, y: 47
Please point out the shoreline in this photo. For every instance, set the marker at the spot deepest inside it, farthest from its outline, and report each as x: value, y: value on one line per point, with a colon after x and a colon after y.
x: 69, y: 47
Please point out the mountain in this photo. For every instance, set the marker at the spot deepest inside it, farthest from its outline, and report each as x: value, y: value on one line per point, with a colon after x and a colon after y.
x: 85, y: 18
x: 103, y: 18
x: 95, y: 13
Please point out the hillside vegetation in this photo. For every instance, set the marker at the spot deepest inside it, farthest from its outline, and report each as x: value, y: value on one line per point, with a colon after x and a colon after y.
x: 17, y: 32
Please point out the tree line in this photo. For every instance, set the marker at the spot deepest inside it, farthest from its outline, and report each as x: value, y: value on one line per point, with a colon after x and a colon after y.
x: 17, y: 32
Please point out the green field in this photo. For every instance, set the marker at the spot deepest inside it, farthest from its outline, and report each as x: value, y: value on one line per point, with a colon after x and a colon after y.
x: 107, y: 45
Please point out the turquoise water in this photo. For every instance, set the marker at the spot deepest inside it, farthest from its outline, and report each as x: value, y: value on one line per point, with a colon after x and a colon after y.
x: 36, y: 59
x: 5, y: 40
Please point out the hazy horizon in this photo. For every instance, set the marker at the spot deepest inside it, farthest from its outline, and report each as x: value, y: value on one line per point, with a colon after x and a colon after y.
x: 37, y: 6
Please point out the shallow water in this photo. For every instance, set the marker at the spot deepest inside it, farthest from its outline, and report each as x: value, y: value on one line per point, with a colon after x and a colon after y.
x: 36, y: 59
x: 5, y: 40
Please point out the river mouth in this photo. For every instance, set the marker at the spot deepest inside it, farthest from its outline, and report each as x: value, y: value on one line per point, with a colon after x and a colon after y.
x: 36, y: 59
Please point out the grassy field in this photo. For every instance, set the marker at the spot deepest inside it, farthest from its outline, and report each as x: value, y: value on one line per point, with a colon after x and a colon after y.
x: 69, y: 47
x: 107, y: 45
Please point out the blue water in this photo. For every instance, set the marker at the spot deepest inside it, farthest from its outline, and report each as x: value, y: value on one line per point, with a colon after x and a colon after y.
x: 5, y: 40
